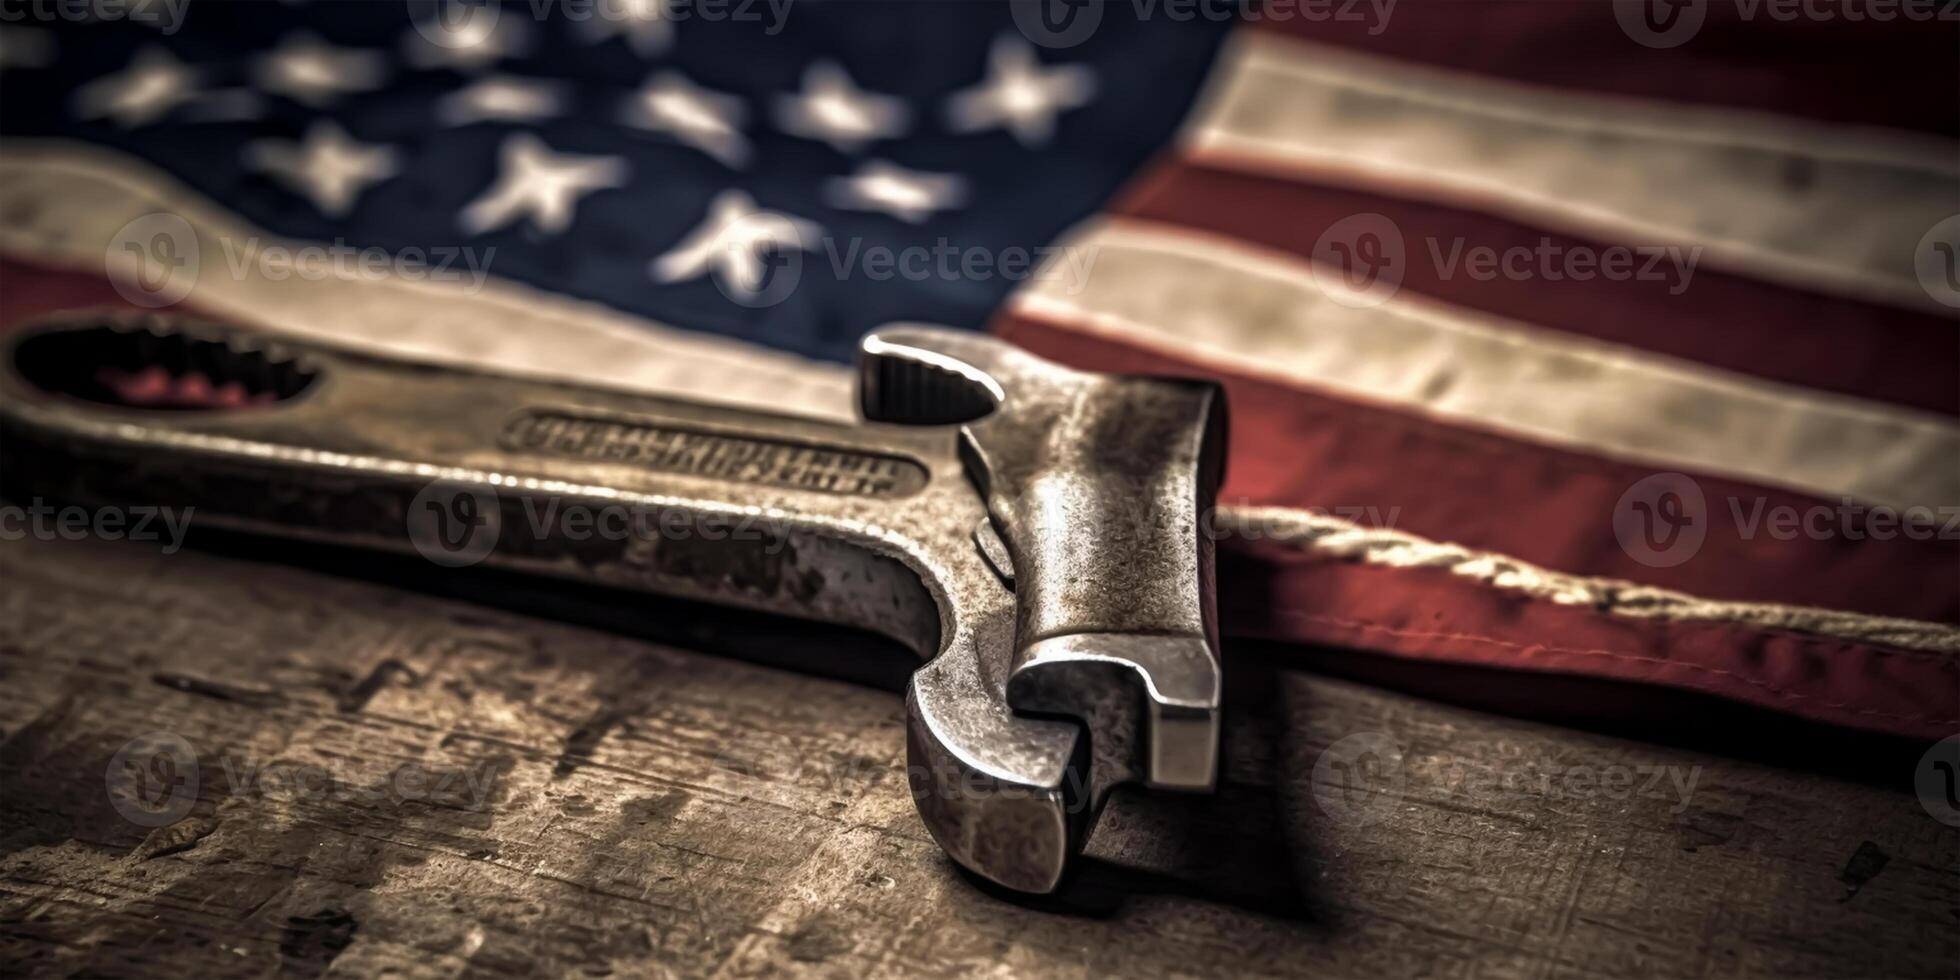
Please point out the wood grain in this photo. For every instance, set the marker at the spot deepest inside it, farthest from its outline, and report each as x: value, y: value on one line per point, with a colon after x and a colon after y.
x: 391, y: 781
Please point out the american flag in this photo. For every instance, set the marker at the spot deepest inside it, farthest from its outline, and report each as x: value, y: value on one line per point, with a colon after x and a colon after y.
x: 1598, y: 340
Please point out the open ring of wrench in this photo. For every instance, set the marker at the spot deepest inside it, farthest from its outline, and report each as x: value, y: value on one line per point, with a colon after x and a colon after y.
x: 1032, y: 531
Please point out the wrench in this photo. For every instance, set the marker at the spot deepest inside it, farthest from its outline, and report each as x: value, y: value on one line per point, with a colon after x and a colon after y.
x: 1033, y: 532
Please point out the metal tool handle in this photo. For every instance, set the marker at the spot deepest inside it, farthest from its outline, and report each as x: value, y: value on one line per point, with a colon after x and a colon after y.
x: 727, y: 506
x: 870, y: 526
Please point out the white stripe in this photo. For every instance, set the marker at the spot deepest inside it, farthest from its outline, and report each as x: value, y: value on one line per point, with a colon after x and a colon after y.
x: 1265, y: 313
x: 66, y: 202
x: 1835, y: 208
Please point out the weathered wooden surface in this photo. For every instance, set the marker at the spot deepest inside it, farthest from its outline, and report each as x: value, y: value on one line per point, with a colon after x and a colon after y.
x: 393, y: 782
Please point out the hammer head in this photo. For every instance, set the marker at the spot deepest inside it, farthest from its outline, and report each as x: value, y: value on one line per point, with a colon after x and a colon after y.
x: 1097, y: 489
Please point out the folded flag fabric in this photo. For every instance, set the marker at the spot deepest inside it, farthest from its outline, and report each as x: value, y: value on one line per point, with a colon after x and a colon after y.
x: 1609, y: 340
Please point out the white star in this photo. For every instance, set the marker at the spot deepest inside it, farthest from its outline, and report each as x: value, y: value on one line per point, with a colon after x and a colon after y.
x: 647, y: 24
x: 25, y: 47
x: 152, y: 85
x: 912, y: 195
x: 731, y: 243
x: 329, y: 167
x: 311, y: 71
x: 501, y: 98
x: 708, y: 121
x: 534, y: 180
x: 481, y: 39
x: 1020, y: 95
x: 831, y: 108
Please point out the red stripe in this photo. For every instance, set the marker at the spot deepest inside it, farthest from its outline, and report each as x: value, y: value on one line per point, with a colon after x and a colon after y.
x: 1551, y: 507
x: 1728, y: 321
x: 1432, y: 616
x: 1896, y: 74
x: 29, y: 290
